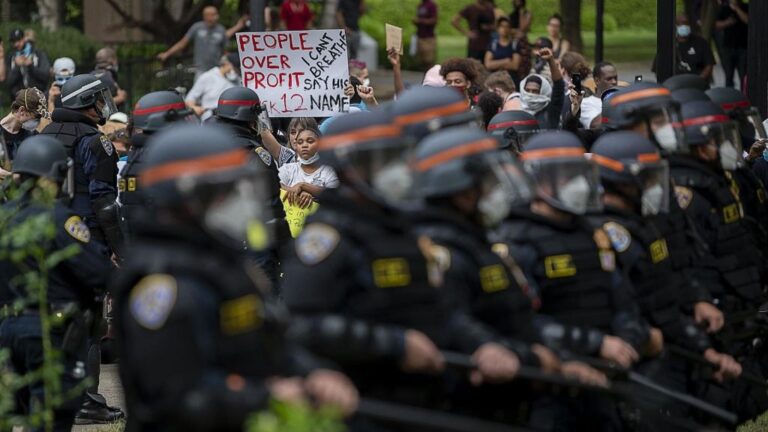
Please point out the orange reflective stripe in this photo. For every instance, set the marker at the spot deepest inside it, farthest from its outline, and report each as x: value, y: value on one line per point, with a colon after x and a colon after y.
x: 431, y: 113
x: 648, y: 157
x: 716, y: 118
x: 454, y: 153
x: 345, y: 139
x: 640, y: 94
x: 606, y: 162
x: 202, y: 165
x: 552, y: 153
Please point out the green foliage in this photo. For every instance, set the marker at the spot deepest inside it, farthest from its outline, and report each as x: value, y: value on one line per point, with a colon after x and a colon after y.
x: 283, y: 417
x: 759, y: 424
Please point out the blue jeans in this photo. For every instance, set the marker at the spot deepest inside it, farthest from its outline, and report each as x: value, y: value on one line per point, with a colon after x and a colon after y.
x: 23, y: 336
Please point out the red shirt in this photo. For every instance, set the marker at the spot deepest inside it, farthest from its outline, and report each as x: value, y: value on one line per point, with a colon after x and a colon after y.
x: 427, y: 9
x: 295, y: 16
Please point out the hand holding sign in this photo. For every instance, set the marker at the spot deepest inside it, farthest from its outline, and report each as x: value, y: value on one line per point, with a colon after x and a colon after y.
x: 394, y: 38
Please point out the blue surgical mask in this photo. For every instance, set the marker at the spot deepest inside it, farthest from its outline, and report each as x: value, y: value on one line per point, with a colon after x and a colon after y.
x: 765, y: 154
x: 683, y: 30
x: 61, y: 79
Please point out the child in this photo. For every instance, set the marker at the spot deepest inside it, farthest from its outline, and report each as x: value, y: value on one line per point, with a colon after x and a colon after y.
x: 304, y: 179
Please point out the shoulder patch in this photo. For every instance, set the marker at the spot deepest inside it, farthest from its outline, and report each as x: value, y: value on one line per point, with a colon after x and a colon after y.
x: 152, y: 300
x: 106, y: 144
x: 76, y: 228
x: 620, y: 237
x: 684, y: 196
x: 316, y: 242
x: 264, y: 155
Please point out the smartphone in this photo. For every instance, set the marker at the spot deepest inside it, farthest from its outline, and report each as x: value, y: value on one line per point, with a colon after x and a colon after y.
x: 638, y: 78
x: 576, y: 81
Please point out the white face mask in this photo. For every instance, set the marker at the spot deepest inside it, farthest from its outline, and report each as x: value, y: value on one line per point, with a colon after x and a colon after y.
x: 367, y: 82
x: 652, y: 199
x: 575, y: 195
x: 232, y: 76
x: 729, y: 156
x: 666, y: 137
x: 494, y: 206
x: 311, y: 160
x: 30, y: 125
x: 234, y: 215
x: 393, y: 181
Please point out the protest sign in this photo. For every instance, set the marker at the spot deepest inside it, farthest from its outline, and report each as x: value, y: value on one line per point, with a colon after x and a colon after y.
x: 296, y: 73
x: 296, y: 215
x: 394, y: 38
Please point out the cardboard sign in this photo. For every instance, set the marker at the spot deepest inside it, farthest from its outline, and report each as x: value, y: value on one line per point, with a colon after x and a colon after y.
x: 394, y: 38
x: 295, y: 215
x: 297, y: 73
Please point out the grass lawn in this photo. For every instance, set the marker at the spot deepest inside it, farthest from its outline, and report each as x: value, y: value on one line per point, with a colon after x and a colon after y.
x: 623, y: 46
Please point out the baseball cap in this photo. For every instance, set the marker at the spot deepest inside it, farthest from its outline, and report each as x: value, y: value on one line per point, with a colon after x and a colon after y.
x: 64, y: 64
x: 17, y: 34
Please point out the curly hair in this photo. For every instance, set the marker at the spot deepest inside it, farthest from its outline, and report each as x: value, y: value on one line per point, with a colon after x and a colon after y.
x: 462, y: 65
x: 575, y: 63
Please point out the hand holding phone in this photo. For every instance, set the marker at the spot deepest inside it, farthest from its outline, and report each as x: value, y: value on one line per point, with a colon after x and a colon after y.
x: 576, y: 81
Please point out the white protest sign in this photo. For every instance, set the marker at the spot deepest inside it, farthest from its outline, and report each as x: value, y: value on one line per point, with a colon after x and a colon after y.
x: 297, y: 73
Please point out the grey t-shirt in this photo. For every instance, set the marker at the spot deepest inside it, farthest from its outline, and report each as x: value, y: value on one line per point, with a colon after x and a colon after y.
x: 209, y: 44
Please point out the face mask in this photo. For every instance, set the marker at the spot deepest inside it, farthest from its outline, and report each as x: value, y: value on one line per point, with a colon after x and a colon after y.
x: 683, y: 30
x: 393, y: 181
x: 367, y: 82
x: 311, y: 160
x: 62, y: 79
x: 729, y: 156
x: 652, y: 199
x: 575, y: 195
x: 494, y: 206
x: 30, y: 125
x: 237, y: 215
x: 666, y: 137
x: 232, y: 76
x: 533, y: 103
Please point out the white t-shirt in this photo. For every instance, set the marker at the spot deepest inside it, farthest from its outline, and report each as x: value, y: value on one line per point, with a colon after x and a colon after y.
x: 207, y: 89
x: 286, y: 156
x: 291, y: 174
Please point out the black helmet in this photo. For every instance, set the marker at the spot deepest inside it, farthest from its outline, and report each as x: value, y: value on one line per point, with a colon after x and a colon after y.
x: 736, y: 105
x: 420, y: 111
x: 513, y: 128
x: 631, y: 166
x: 459, y: 158
x: 203, y: 172
x: 42, y: 156
x: 85, y: 91
x: 240, y: 104
x: 684, y: 95
x: 650, y: 105
x: 368, y: 154
x: 157, y: 110
x: 686, y: 81
x: 563, y: 176
x: 705, y: 123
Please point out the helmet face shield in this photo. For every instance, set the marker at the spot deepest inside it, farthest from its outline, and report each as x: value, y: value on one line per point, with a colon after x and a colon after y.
x: 663, y: 126
x: 568, y: 184
x: 725, y: 136
x: 753, y: 118
x: 653, y: 179
x: 104, y: 104
x: 503, y: 185
x: 385, y: 170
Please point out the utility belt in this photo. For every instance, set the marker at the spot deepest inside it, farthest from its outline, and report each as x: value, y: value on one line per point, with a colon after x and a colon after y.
x: 66, y: 318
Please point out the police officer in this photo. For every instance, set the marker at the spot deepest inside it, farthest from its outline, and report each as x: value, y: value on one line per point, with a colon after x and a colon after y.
x: 153, y: 112
x: 649, y: 110
x: 420, y: 111
x: 572, y: 266
x: 634, y: 179
x: 239, y: 110
x: 71, y: 286
x: 513, y: 129
x: 87, y: 103
x: 201, y: 340
x: 365, y: 288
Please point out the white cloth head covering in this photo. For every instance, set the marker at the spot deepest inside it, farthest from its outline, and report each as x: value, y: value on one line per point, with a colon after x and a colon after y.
x: 533, y: 103
x: 433, y: 78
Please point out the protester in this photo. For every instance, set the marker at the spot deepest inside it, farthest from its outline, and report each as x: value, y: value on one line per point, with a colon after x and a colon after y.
x: 480, y: 22
x: 359, y: 70
x: 521, y: 18
x: 733, y: 20
x: 459, y: 74
x: 760, y: 163
x: 209, y: 39
x: 63, y: 70
x: 203, y: 97
x: 26, y: 65
x: 306, y: 178
x: 296, y: 15
x: 560, y: 46
x: 425, y: 22
x: 348, y: 15
x: 501, y: 84
x: 502, y: 52
x: 541, y: 65
x: 27, y: 109
x: 489, y: 104
x: 542, y: 99
x: 287, y: 154
x: 433, y: 77
x: 605, y: 76
x: 106, y: 70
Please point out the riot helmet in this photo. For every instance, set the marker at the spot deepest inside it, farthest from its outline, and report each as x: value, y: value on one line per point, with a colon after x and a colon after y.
x: 513, y: 129
x: 86, y: 91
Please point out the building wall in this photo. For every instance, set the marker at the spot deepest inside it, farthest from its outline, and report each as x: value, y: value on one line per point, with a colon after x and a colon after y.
x: 103, y: 24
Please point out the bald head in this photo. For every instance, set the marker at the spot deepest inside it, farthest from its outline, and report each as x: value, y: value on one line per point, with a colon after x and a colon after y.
x: 210, y: 15
x: 105, y: 57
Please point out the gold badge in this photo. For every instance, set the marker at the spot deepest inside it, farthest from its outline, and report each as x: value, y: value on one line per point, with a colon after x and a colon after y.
x: 121, y: 185
x: 240, y: 315
x: 731, y: 213
x: 152, y: 300
x: 684, y: 196
x: 493, y: 278
x: 76, y: 228
x: 557, y: 266
x: 658, y: 250
x: 391, y: 272
x: 131, y: 184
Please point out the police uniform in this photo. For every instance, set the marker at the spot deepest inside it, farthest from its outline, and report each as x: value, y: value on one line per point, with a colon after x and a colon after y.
x: 132, y: 202
x: 71, y: 287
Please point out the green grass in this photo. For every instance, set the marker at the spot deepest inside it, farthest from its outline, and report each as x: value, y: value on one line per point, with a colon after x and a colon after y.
x: 622, y: 46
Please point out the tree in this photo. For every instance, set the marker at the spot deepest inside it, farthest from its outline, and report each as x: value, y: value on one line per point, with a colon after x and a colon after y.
x: 161, y: 23
x: 571, y: 12
x: 51, y: 12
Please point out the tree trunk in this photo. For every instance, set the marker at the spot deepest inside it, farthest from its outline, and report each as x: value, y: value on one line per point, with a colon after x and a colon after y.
x: 571, y: 13
x: 329, y: 14
x: 50, y: 14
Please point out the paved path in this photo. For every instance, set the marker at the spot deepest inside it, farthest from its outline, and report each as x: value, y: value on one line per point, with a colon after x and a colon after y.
x: 109, y: 386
